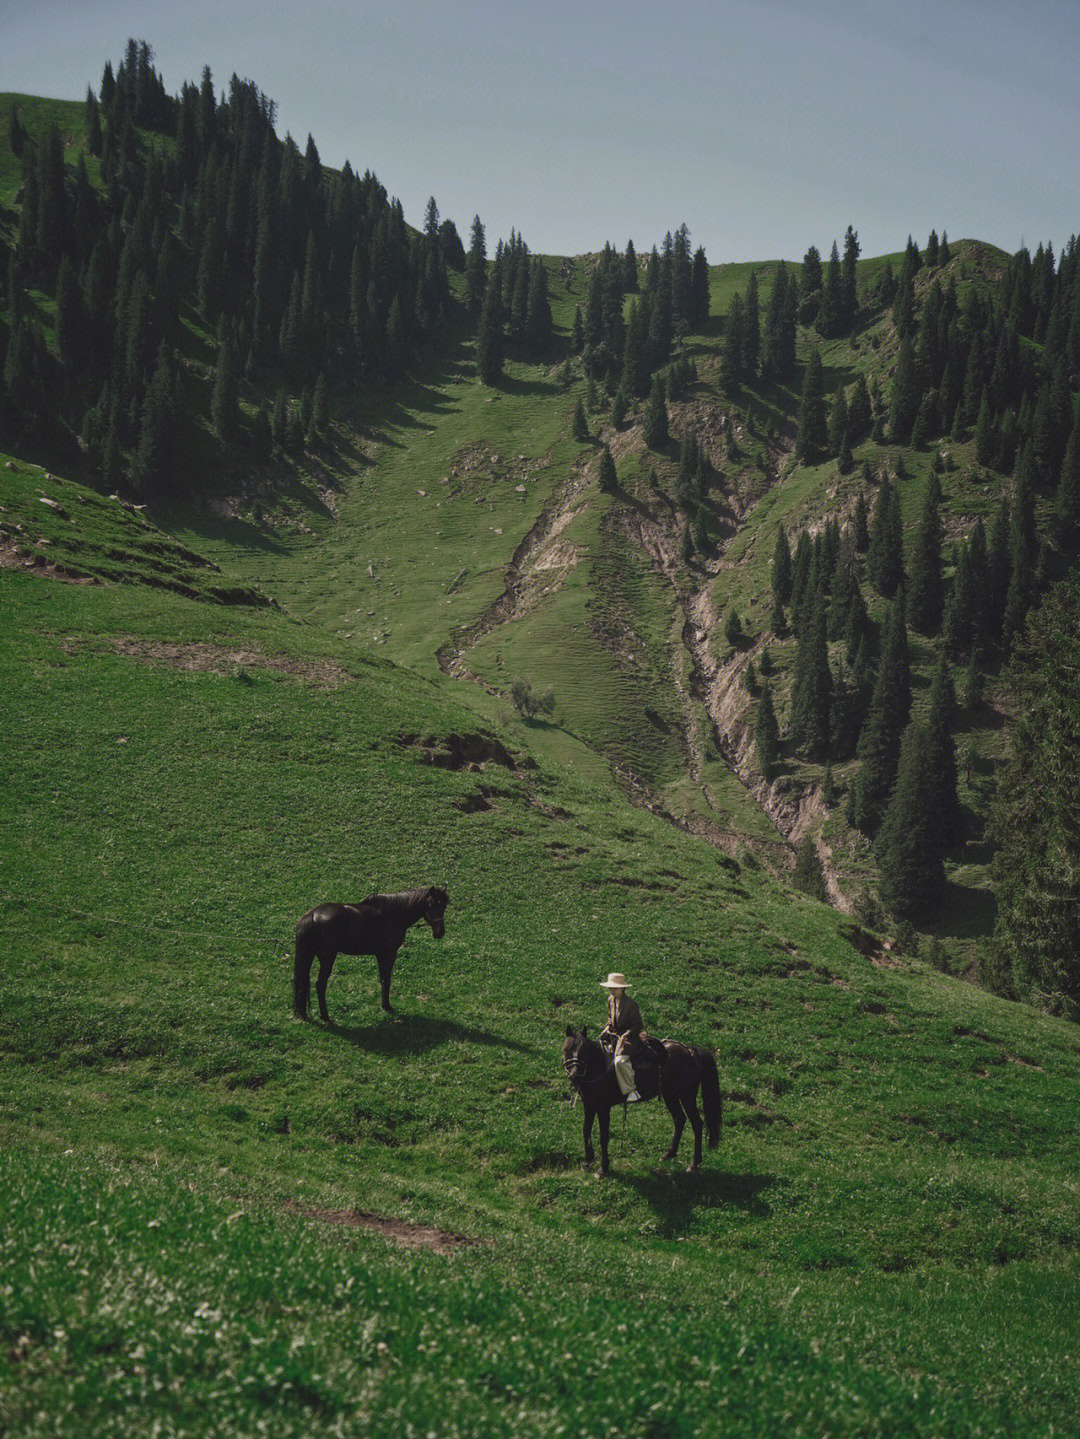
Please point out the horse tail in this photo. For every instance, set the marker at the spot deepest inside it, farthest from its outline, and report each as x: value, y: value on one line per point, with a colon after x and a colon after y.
x: 303, y: 958
x: 710, y: 1095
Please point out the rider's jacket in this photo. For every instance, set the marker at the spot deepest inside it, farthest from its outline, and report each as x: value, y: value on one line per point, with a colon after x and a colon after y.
x: 624, y: 1016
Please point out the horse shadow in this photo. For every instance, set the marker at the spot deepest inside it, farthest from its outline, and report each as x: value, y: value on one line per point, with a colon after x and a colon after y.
x: 676, y: 1197
x: 417, y: 1033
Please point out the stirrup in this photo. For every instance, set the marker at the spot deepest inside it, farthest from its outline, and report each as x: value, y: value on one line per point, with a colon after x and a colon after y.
x: 633, y: 1097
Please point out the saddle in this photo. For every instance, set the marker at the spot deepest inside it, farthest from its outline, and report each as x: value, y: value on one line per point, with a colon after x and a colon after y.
x: 648, y: 1057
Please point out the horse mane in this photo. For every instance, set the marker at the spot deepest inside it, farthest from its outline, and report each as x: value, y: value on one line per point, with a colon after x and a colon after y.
x: 400, y: 899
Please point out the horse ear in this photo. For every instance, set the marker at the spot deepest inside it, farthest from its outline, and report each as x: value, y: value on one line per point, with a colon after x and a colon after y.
x: 569, y: 1032
x: 585, y: 1030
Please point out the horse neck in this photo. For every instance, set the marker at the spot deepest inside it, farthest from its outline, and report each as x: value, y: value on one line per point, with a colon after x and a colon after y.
x: 407, y: 905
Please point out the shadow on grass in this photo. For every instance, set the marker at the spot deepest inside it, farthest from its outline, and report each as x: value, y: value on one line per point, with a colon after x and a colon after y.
x: 675, y: 1196
x: 417, y: 1033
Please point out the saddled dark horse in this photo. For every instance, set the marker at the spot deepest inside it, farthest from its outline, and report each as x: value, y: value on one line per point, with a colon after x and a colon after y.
x: 377, y: 925
x: 684, y: 1070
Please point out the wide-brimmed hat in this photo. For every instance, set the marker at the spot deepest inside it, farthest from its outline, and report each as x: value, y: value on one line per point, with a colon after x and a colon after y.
x: 615, y: 981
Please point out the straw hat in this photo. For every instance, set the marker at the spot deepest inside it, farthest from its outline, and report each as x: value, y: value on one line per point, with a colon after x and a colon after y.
x: 615, y: 981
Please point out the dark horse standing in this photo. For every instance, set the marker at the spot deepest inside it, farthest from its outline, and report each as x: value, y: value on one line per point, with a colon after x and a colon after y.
x: 684, y: 1070
x: 375, y: 926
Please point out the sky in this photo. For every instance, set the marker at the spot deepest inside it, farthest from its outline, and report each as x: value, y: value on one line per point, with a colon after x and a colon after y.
x: 763, y: 125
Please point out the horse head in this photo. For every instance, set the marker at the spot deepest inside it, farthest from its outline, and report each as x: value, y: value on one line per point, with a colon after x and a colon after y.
x: 577, y: 1052
x: 435, y: 905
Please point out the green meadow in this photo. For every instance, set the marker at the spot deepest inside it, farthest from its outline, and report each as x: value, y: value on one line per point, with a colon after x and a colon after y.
x: 886, y: 1240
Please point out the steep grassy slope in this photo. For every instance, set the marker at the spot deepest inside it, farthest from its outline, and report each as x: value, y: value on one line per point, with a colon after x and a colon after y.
x: 181, y: 779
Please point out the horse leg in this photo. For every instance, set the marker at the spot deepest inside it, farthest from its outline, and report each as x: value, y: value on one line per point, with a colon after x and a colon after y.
x: 326, y: 967
x: 386, y: 969
x: 695, y: 1120
x: 675, y: 1109
x: 605, y: 1125
x: 587, y: 1124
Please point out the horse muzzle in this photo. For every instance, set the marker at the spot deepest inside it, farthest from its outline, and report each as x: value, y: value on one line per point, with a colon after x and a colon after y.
x: 438, y: 928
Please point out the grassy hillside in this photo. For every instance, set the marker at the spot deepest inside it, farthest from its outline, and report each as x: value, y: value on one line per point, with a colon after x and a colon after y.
x: 184, y: 1162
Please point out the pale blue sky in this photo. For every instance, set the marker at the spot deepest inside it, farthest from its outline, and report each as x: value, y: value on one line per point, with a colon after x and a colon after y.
x: 765, y: 125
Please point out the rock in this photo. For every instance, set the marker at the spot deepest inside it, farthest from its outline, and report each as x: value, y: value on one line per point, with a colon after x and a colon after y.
x: 422, y: 494
x: 519, y: 489
x: 53, y: 505
x: 11, y: 465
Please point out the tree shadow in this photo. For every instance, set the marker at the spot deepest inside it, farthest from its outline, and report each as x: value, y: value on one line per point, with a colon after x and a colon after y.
x: 417, y: 1033
x: 676, y: 1197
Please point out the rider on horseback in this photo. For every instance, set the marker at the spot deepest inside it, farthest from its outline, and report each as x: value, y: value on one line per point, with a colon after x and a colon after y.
x: 624, y: 1017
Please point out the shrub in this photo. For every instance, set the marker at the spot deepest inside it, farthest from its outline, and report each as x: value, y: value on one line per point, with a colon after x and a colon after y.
x: 530, y: 702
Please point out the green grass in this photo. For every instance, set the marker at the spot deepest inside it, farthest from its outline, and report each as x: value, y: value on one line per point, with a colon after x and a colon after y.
x: 897, y: 1174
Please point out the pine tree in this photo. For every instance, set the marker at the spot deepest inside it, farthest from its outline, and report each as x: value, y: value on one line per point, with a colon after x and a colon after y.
x: 830, y: 316
x: 654, y: 424
x: 781, y: 568
x: 766, y: 732
x: 733, y: 355
x: 812, y: 440
x: 800, y: 570
x: 1067, y: 500
x: 608, y: 478
x: 838, y: 421
x: 933, y: 253
x: 885, y: 554
x: 577, y: 333
x: 538, y: 323
x: 809, y: 877
x: 926, y: 597
x: 811, y: 692
x: 70, y: 316
x: 849, y: 293
x: 489, y: 344
x: 629, y: 270
x: 879, y: 743
x: 580, y: 423
x: 224, y: 401
x: 733, y: 631
x: 944, y: 254
x: 751, y: 337
x: 905, y: 395
x: 317, y: 425
x: 862, y: 530
x: 984, y: 433
x: 912, y: 876
x: 620, y: 406
x: 1023, y: 547
x: 152, y: 462
x: 94, y: 137
x: 699, y: 291
x: 1037, y: 865
x: 941, y: 755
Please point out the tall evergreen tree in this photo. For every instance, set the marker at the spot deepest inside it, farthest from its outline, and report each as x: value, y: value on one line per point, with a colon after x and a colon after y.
x: 909, y: 857
x: 489, y: 343
x: 849, y: 292
x: 812, y: 688
x: 926, y: 594
x: 1023, y: 548
x: 476, y: 269
x: 879, y: 743
x: 941, y: 756
x: 781, y: 568
x: 654, y: 424
x: 607, y: 476
x: 1037, y: 865
x: 830, y: 316
x: 862, y: 529
x: 1067, y: 500
x: 538, y: 322
x: 812, y: 438
x: 766, y: 732
x: 751, y: 338
x: 885, y: 555
x: 224, y: 402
